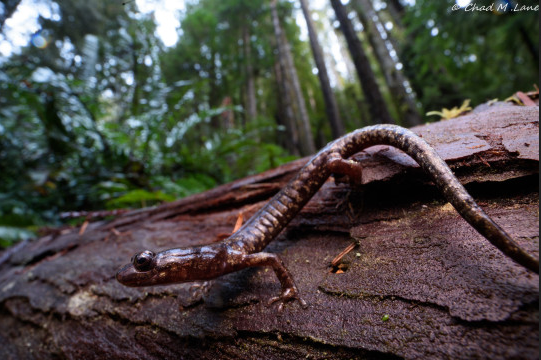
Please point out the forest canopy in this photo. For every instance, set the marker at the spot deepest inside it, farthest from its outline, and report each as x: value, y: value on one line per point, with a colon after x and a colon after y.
x: 98, y: 111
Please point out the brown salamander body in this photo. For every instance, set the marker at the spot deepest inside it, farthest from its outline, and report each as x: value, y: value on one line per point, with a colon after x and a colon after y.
x: 243, y: 248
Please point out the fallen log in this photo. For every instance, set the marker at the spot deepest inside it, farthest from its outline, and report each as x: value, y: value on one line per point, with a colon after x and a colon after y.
x: 419, y: 282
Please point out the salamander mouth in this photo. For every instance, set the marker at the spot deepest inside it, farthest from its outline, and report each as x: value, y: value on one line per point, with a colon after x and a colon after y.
x: 129, y: 276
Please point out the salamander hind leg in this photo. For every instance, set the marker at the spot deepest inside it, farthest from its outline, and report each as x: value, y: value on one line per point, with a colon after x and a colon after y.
x: 289, y: 290
x: 341, y: 167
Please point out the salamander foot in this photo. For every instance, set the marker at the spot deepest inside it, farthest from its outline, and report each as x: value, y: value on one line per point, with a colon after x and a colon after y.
x: 288, y: 294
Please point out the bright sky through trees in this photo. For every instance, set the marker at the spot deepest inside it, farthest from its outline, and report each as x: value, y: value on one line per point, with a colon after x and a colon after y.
x: 21, y: 28
x: 23, y: 23
x: 166, y: 13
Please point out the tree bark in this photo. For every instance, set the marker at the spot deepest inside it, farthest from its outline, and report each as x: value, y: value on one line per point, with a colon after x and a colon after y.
x: 306, y: 140
x: 404, y: 102
x: 331, y: 107
x: 377, y: 107
x: 420, y: 284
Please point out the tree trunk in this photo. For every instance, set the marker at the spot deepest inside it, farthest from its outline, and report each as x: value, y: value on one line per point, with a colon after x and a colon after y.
x: 396, y: 10
x: 285, y: 114
x: 306, y: 140
x: 251, y: 107
x: 331, y: 107
x: 421, y: 283
x: 135, y: 47
x: 404, y: 102
x: 215, y: 98
x: 377, y: 107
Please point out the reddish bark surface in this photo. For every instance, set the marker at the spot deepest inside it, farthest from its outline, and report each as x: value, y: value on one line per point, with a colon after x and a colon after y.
x: 420, y: 284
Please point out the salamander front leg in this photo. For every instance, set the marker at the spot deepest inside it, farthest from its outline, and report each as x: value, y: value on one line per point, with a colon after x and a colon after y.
x: 289, y: 290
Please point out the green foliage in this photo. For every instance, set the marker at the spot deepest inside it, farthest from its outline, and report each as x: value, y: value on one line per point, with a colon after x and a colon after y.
x: 476, y: 54
x: 10, y: 234
x: 139, y: 197
x: 446, y: 114
x: 114, y: 135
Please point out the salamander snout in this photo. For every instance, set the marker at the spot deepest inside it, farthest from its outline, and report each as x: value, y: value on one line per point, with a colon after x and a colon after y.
x: 140, y: 271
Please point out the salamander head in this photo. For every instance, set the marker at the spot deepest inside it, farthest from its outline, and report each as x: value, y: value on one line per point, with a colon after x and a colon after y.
x: 140, y: 271
x: 166, y: 267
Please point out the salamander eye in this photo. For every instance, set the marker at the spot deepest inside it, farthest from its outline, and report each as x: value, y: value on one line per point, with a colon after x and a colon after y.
x: 144, y: 261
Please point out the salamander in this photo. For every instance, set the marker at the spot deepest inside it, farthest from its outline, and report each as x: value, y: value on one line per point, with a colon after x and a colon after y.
x: 244, y: 248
